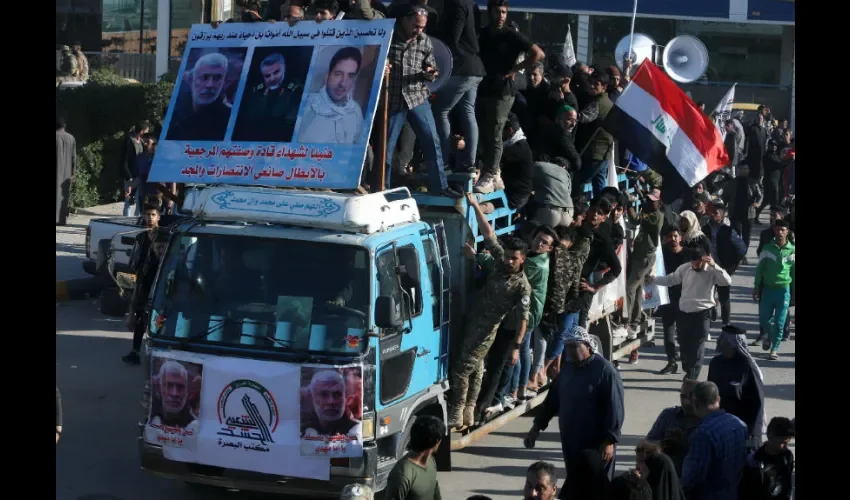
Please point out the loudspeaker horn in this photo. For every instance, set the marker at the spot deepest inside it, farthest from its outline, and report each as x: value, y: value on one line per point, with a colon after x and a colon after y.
x: 443, y: 56
x: 643, y: 47
x: 685, y: 58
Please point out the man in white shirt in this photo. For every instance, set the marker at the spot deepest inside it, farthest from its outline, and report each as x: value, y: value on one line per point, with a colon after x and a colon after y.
x: 698, y: 279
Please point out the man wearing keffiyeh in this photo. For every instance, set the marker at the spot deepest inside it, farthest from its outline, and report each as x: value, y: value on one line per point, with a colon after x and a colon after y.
x: 588, y: 397
x: 739, y: 381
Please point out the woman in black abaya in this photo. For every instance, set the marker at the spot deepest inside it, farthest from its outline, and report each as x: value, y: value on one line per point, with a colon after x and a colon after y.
x: 661, y: 475
x: 739, y: 381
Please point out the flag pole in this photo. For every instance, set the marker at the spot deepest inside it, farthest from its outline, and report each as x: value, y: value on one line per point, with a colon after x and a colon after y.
x: 632, y: 30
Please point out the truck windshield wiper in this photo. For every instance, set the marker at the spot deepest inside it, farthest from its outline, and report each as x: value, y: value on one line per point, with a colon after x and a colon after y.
x: 220, y: 326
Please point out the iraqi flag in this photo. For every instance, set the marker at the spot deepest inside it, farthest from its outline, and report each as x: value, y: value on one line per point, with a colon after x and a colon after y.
x: 655, y: 120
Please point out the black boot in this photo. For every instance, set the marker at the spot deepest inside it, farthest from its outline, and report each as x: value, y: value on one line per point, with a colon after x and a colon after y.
x: 671, y: 368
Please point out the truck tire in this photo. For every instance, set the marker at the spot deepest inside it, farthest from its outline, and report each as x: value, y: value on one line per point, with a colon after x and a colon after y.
x: 112, y: 303
x: 103, y: 249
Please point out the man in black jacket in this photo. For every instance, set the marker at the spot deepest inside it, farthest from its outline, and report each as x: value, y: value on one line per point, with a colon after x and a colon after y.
x: 128, y: 171
x: 558, y: 139
x: 756, y: 144
x: 727, y: 249
x: 456, y: 28
x: 731, y: 143
x: 149, y: 249
x: 517, y: 166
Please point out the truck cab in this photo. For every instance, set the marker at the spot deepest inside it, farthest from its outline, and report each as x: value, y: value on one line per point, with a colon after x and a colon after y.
x: 308, y: 279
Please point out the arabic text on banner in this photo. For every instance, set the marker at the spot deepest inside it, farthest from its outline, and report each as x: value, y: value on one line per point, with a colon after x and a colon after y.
x: 331, y: 411
x: 274, y: 105
x: 246, y: 418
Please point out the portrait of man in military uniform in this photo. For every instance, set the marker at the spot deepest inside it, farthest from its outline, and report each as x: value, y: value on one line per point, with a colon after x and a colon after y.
x: 202, y: 113
x: 272, y: 95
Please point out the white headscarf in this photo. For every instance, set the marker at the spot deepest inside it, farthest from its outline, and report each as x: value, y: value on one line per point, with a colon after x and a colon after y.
x: 579, y: 335
x: 694, y: 231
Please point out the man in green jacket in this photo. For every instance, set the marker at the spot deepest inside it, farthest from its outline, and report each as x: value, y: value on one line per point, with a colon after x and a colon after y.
x: 774, y: 286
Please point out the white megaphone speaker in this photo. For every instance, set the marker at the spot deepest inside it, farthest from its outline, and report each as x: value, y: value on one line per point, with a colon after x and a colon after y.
x: 685, y: 58
x: 643, y: 47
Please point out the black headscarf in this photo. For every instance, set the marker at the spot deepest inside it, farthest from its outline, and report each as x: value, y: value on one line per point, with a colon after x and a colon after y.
x: 662, y: 478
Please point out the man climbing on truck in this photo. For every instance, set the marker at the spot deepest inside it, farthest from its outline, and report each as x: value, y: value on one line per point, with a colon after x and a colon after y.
x: 506, y: 287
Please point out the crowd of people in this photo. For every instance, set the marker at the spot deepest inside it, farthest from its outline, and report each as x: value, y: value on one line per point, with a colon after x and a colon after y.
x: 532, y: 125
x: 73, y: 64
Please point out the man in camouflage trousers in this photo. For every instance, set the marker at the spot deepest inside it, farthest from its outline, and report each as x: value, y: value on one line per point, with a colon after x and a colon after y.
x: 506, y: 287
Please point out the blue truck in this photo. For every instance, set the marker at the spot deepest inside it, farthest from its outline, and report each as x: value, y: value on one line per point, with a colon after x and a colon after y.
x: 377, y: 282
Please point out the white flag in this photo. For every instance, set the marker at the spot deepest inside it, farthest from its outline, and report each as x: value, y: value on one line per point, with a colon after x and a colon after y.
x: 723, y: 111
x: 568, y: 53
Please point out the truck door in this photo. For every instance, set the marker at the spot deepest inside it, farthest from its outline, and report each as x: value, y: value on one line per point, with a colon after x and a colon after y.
x: 439, y: 270
x: 408, y: 359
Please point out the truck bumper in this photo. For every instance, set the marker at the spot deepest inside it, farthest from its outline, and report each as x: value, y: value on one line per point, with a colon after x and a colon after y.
x: 361, y: 471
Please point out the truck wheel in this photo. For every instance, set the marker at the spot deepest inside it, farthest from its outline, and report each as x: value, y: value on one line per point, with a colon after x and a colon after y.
x: 112, y: 303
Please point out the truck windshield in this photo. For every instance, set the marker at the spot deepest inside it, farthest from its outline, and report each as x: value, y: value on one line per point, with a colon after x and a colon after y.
x: 270, y: 293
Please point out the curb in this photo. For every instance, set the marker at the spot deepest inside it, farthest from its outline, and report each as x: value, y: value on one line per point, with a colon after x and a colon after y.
x: 77, y: 288
x: 90, y: 213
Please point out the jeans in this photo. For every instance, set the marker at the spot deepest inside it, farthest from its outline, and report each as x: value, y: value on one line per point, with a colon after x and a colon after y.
x: 493, y: 112
x: 556, y: 347
x: 538, y: 350
x: 406, y: 148
x: 522, y: 370
x: 133, y: 208
x: 595, y: 172
x: 458, y: 91
x: 422, y: 121
x: 693, y: 332
x: 774, y: 305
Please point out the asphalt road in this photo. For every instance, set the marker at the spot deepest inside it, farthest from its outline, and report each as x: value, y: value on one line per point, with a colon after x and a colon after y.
x: 97, y: 454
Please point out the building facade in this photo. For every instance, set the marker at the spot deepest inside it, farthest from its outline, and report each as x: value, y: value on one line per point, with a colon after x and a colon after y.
x: 750, y: 42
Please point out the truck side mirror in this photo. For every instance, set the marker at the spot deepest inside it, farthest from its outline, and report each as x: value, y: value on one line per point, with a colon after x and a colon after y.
x: 386, y: 313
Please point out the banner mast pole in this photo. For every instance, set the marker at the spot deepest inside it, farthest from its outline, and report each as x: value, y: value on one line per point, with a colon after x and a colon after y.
x: 381, y: 117
x: 632, y: 30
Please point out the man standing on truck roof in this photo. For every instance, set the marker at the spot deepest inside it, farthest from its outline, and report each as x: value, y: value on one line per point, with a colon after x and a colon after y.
x: 148, y: 252
x: 411, y: 66
x: 506, y: 287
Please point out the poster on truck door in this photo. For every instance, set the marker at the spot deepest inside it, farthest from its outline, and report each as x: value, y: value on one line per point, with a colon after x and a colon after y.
x: 271, y: 104
x: 247, y: 416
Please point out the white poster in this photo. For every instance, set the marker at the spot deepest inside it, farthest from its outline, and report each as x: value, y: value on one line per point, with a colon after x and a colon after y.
x: 331, y: 411
x: 246, y: 415
x: 654, y: 295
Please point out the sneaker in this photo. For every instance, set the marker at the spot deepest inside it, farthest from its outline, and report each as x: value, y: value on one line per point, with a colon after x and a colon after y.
x: 709, y: 338
x: 132, y: 358
x: 485, y: 184
x: 773, y: 356
x: 493, y: 410
x: 509, y: 403
x: 498, y: 183
x: 634, y: 331
x: 529, y: 393
x: 670, y: 369
x: 633, y: 357
x: 756, y: 342
x: 765, y: 344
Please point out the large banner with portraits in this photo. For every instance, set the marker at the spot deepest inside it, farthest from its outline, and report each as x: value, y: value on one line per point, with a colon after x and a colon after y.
x: 247, y: 414
x: 274, y: 105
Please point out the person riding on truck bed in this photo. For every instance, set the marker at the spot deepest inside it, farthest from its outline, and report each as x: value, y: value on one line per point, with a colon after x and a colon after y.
x: 506, y: 287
